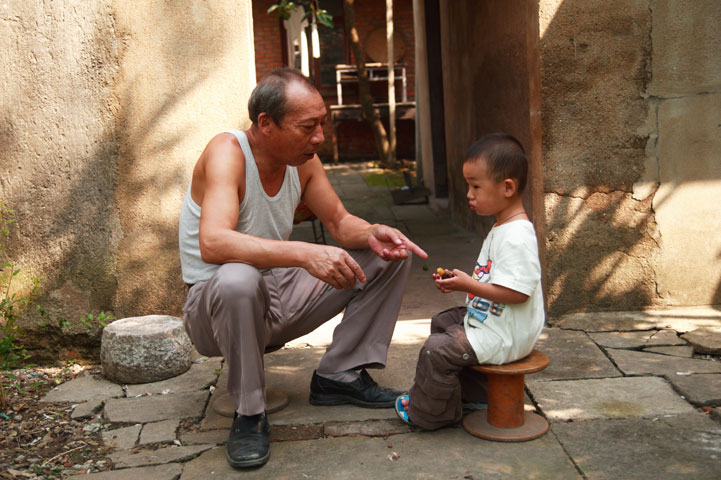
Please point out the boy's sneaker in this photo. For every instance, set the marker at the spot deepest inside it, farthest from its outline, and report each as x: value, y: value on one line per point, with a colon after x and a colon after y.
x: 472, y: 407
x: 401, y: 410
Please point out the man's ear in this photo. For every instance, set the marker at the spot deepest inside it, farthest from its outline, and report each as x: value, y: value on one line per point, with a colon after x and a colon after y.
x: 265, y: 123
x: 509, y: 187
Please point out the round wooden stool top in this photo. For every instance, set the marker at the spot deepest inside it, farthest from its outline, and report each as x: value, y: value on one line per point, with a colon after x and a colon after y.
x: 275, y: 400
x: 533, y: 362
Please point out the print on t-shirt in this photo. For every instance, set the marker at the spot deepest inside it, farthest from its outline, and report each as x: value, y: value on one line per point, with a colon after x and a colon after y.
x: 478, y: 308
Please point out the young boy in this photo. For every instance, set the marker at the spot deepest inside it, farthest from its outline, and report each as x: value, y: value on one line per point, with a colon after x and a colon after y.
x: 503, y: 315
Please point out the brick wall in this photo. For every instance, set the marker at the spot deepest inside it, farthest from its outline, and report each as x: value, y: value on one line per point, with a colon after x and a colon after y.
x: 267, y: 38
x: 355, y: 139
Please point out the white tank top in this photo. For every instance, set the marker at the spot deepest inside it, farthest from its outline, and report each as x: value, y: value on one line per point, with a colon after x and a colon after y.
x: 260, y: 214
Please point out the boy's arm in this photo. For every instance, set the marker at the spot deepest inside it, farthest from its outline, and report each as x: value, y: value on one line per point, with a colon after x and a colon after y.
x: 462, y: 282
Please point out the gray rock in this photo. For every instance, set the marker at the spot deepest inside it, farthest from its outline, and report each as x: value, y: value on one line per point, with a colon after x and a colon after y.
x: 705, y: 340
x: 417, y: 455
x: 641, y: 363
x: 159, y: 432
x: 636, y: 340
x: 145, y: 349
x: 199, y: 377
x: 622, y: 339
x: 684, y: 351
x: 573, y: 355
x: 702, y: 389
x: 126, y: 459
x: 122, y: 438
x: 82, y: 389
x: 666, y: 338
x: 87, y: 409
x: 155, y: 408
x: 681, y: 319
x: 171, y: 471
x: 716, y: 414
x: 607, y: 398
x: 640, y: 448
x: 371, y: 428
x: 217, y: 437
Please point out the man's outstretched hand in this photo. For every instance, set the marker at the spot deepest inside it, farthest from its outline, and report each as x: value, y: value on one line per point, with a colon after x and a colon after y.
x: 391, y: 245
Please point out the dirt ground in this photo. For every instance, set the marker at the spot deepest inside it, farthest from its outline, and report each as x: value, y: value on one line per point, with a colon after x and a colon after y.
x: 39, y: 440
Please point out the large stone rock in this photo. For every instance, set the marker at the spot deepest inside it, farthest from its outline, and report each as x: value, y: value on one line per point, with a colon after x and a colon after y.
x: 574, y: 400
x: 642, y: 448
x: 573, y: 355
x: 705, y: 340
x: 145, y: 349
x: 641, y: 363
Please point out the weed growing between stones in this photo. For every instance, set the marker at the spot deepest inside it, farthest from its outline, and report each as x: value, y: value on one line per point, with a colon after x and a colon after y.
x: 13, y: 353
x: 11, y: 306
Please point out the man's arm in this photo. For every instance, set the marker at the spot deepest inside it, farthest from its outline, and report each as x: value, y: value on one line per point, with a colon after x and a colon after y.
x: 222, y: 175
x: 348, y: 230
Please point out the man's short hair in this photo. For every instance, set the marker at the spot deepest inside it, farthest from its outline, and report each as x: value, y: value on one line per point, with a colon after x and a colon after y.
x: 269, y: 97
x: 504, y: 158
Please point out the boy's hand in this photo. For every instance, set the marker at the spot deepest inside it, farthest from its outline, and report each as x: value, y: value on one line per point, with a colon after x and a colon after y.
x: 453, y: 281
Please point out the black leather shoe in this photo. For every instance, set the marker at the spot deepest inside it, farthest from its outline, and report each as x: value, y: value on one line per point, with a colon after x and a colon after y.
x: 363, y: 392
x: 248, y: 444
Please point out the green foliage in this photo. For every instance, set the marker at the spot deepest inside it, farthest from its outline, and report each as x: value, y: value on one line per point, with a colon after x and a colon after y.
x: 312, y: 9
x: 101, y: 319
x: 11, y: 304
x: 12, y: 353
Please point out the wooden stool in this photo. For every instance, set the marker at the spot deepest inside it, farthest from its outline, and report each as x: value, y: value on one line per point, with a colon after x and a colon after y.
x: 505, y: 420
x: 275, y: 400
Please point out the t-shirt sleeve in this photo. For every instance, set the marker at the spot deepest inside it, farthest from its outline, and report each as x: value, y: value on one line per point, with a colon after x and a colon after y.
x: 516, y: 265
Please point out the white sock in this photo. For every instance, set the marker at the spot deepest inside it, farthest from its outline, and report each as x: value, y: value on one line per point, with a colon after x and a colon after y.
x: 346, y: 377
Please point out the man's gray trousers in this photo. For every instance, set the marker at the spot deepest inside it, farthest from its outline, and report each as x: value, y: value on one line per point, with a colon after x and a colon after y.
x: 242, y: 312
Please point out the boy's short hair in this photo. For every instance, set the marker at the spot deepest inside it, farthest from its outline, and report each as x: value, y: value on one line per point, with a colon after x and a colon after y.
x: 269, y: 95
x: 504, y: 157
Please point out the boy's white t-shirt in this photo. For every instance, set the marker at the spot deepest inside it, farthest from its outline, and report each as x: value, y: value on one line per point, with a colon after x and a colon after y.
x: 501, y: 333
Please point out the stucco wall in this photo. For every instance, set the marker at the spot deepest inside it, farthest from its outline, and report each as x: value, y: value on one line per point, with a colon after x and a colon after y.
x: 486, y: 86
x: 631, y: 115
x: 631, y: 131
x: 601, y: 241
x: 105, y: 107
x: 684, y: 154
x: 60, y: 148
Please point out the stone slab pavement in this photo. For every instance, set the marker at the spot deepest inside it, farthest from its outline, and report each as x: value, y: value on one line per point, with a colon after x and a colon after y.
x: 618, y: 406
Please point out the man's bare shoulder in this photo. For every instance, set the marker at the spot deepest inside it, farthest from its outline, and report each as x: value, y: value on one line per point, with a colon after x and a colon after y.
x: 220, y: 165
x: 222, y: 153
x: 223, y: 145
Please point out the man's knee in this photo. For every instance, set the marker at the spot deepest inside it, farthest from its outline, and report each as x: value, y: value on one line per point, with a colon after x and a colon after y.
x: 237, y: 281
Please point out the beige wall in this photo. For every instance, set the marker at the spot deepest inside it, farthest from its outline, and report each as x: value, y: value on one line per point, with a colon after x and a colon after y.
x: 105, y: 106
x: 631, y: 108
x: 684, y: 154
x: 631, y: 143
x: 423, y: 121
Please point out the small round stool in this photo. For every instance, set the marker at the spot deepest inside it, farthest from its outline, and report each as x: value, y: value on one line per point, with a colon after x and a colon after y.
x: 505, y: 420
x: 274, y: 400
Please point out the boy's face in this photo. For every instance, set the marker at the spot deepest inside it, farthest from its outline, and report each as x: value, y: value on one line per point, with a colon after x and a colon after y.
x: 485, y: 197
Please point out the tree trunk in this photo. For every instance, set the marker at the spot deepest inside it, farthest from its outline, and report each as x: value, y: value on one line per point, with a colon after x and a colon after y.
x: 369, y: 112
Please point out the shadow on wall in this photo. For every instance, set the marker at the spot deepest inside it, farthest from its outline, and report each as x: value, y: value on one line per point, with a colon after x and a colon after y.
x: 606, y: 173
x: 600, y: 245
x: 156, y: 124
x: 90, y: 218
